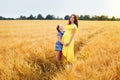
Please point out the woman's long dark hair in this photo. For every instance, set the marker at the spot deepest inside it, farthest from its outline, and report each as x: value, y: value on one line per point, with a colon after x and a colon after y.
x: 75, y: 20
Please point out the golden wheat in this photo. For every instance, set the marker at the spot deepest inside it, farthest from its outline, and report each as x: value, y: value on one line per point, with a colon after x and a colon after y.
x: 27, y: 51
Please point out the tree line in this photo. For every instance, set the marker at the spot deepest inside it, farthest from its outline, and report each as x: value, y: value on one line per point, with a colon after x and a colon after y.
x: 66, y: 17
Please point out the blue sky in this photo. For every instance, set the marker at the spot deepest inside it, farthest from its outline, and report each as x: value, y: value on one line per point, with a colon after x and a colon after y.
x: 15, y: 8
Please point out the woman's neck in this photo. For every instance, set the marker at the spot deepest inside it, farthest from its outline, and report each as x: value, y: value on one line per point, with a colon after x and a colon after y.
x: 72, y: 22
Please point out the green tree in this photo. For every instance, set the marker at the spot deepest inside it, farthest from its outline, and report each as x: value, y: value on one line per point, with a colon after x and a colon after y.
x: 103, y: 17
x: 1, y: 18
x: 58, y: 18
x: 50, y: 17
x: 95, y: 17
x: 66, y: 17
x: 40, y: 17
x: 86, y: 17
x: 81, y: 17
x: 22, y: 18
x: 113, y: 18
x: 31, y: 17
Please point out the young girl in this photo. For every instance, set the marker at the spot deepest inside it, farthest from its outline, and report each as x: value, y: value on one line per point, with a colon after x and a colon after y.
x: 59, y: 44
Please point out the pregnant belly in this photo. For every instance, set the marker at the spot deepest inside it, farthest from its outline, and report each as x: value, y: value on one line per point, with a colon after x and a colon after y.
x: 66, y: 37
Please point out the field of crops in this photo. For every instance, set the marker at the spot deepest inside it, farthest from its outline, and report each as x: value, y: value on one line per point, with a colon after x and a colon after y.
x: 27, y: 51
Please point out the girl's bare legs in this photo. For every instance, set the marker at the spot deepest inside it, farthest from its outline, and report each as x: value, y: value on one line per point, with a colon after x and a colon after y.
x: 58, y: 57
x: 58, y: 54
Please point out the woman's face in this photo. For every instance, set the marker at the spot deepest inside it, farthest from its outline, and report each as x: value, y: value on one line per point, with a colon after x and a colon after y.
x: 72, y: 18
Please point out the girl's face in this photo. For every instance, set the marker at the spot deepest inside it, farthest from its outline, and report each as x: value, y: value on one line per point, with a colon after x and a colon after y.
x: 60, y: 28
x: 72, y: 18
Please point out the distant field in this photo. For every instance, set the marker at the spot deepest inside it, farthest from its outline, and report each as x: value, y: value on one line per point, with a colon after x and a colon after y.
x: 27, y: 51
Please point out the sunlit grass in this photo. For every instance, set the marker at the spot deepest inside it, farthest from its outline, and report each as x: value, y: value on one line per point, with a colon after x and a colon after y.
x: 27, y: 51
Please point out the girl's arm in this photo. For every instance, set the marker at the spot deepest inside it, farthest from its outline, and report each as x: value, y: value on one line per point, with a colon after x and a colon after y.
x: 73, y: 34
x: 60, y: 40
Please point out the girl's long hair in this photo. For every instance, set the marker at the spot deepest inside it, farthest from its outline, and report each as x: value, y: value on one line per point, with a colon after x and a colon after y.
x: 58, y: 28
x: 75, y: 20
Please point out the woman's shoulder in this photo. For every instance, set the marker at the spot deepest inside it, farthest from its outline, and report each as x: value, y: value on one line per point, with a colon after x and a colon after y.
x: 75, y: 26
x: 72, y: 26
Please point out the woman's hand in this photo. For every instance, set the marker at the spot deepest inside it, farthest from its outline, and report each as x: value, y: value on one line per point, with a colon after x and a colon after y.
x: 67, y: 44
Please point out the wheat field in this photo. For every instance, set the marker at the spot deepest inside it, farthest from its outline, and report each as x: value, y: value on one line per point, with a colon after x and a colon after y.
x: 27, y: 51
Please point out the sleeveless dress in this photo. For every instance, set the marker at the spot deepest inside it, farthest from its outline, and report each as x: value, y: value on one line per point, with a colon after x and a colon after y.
x: 58, y: 46
x: 68, y: 51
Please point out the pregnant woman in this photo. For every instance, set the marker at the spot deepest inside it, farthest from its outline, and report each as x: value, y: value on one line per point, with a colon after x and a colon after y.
x: 68, y: 38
